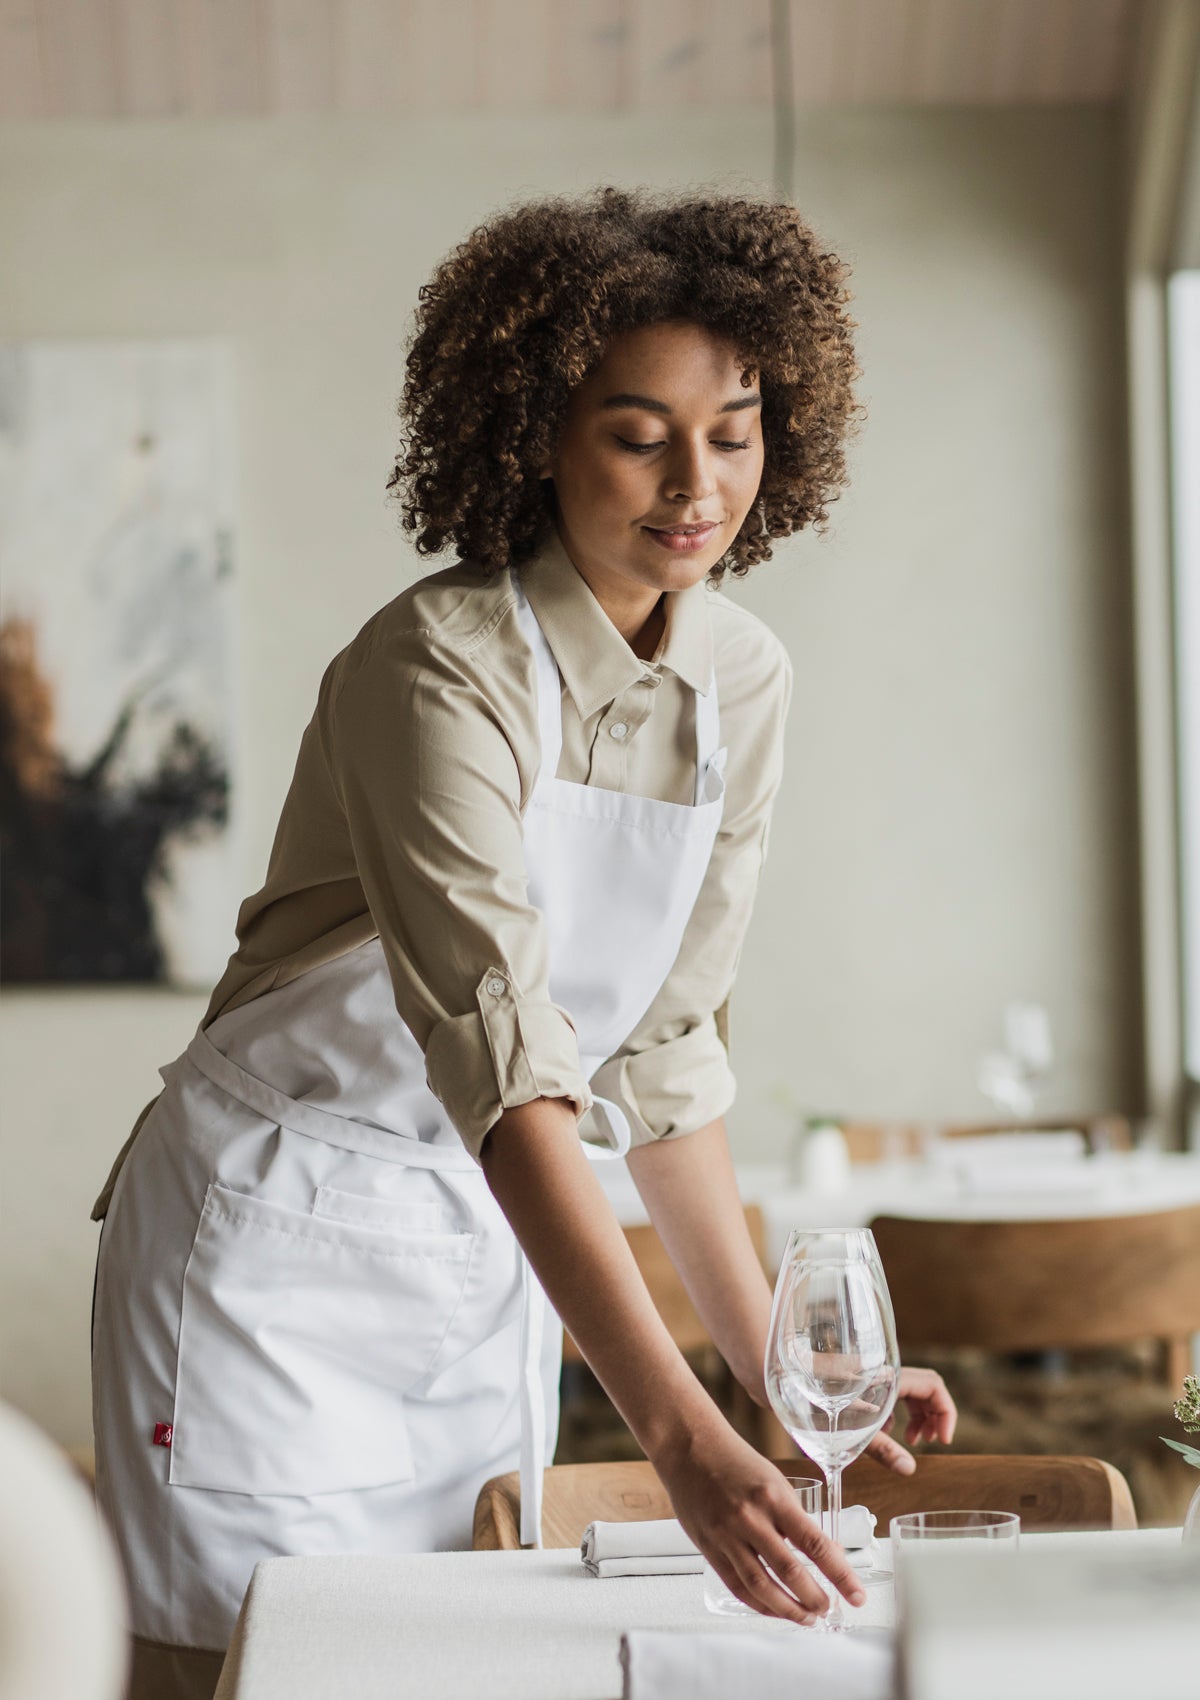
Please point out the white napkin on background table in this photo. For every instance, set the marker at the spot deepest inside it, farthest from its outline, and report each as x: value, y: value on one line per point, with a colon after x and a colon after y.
x: 663, y: 1664
x: 1048, y: 1145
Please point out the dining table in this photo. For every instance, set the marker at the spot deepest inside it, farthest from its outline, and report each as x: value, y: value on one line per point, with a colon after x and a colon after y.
x: 944, y: 1187
x: 523, y: 1625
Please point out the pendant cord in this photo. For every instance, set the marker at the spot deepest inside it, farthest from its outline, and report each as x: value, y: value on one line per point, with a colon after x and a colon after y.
x: 783, y: 89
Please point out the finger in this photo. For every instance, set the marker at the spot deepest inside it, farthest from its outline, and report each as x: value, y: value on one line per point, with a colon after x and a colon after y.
x: 749, y: 1582
x: 828, y: 1557
x: 891, y: 1453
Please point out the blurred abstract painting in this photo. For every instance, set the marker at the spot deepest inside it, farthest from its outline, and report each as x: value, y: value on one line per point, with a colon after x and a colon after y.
x: 116, y: 586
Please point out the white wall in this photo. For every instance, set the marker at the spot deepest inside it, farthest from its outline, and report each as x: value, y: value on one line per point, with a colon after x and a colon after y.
x: 956, y: 825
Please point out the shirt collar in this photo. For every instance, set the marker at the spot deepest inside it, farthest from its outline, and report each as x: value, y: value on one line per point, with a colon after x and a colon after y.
x: 594, y: 659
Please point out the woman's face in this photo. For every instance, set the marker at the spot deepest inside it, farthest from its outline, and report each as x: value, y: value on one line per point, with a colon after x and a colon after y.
x: 661, y: 436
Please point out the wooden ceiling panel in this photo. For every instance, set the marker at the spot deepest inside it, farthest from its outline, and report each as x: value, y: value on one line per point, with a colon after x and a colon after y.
x: 815, y: 58
x: 738, y: 61
x: 588, y: 56
x: 444, y: 71
x: 1006, y: 70
x: 146, y: 41
x: 949, y: 50
x: 368, y: 59
x: 875, y: 43
x: 1101, y: 43
x: 515, y: 53
x: 220, y: 58
x: 158, y: 58
x: 20, y: 60
x: 77, y: 50
x: 297, y: 48
x: 666, y: 54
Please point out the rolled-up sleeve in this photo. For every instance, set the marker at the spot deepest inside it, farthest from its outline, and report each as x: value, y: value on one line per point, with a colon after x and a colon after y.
x: 419, y: 740
x: 673, y: 1075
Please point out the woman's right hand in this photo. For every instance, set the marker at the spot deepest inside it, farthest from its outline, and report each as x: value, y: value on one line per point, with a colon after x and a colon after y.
x: 739, y: 1510
x: 733, y: 1503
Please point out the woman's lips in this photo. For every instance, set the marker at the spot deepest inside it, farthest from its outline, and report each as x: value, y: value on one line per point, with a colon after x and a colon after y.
x: 681, y: 542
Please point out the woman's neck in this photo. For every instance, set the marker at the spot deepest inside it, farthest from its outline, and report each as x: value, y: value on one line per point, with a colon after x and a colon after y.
x: 644, y: 642
x: 638, y: 611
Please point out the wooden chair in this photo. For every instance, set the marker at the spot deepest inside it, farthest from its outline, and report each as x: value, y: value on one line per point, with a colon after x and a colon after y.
x: 683, y: 1323
x: 1032, y: 1286
x: 1077, y: 1493
x: 871, y: 1142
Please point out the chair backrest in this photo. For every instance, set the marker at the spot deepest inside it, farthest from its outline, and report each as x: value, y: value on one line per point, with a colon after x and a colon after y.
x: 668, y: 1291
x: 1046, y: 1492
x: 1027, y: 1286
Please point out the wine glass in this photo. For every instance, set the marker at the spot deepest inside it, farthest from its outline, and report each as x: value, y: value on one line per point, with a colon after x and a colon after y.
x: 832, y: 1365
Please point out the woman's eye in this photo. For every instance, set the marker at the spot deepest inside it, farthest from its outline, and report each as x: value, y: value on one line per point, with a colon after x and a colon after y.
x: 644, y: 448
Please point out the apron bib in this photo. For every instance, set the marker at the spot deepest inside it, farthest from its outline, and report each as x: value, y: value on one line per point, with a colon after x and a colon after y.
x: 306, y: 1294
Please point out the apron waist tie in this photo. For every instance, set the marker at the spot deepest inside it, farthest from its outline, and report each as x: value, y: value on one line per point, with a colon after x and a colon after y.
x: 313, y: 1123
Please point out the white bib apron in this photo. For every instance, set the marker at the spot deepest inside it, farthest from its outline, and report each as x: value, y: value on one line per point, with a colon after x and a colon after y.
x: 314, y: 1329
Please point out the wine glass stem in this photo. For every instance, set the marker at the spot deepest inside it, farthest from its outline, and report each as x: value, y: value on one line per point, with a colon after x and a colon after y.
x: 833, y: 1480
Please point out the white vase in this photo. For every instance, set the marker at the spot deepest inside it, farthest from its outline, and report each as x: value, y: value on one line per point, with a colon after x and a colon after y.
x: 1191, y: 1523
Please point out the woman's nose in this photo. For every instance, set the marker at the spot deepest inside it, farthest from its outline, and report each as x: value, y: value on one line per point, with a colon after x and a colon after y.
x: 691, y: 476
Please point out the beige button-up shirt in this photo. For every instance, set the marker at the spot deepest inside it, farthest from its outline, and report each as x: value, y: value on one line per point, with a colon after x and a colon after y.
x: 404, y: 820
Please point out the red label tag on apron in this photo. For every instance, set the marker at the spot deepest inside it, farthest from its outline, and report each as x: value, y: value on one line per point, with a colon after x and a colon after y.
x: 162, y: 1434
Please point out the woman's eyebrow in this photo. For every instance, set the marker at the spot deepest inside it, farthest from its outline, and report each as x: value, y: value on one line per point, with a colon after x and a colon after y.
x: 754, y: 400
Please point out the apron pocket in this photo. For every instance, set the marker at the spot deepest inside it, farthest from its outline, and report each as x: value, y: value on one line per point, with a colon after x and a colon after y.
x: 298, y: 1337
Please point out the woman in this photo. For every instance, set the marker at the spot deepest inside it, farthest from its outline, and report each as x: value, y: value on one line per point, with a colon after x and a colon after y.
x: 498, y: 933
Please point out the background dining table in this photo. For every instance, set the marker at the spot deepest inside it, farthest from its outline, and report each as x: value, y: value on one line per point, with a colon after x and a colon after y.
x: 1118, y: 1183
x: 509, y: 1625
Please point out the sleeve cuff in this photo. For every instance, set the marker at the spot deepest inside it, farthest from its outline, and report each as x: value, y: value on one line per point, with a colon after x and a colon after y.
x: 509, y: 1051
x: 673, y: 1088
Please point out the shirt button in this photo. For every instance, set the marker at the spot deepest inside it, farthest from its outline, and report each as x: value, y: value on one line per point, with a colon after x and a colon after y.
x: 497, y: 988
x: 619, y: 730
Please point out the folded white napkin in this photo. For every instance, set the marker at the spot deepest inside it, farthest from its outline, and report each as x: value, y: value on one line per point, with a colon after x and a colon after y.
x: 1044, y: 1145
x: 662, y: 1664
x: 856, y: 1527
x: 657, y: 1547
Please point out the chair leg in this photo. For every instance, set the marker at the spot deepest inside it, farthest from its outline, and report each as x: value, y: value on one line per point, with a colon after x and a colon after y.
x: 1177, y: 1361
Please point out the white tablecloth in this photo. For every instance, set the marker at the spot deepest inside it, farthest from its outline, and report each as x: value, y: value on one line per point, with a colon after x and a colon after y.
x: 481, y: 1625
x: 1118, y: 1184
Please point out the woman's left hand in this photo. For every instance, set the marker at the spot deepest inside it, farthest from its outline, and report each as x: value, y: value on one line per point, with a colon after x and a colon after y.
x: 932, y: 1415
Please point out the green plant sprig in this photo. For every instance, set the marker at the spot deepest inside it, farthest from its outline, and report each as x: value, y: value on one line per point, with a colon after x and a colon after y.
x: 1187, y: 1411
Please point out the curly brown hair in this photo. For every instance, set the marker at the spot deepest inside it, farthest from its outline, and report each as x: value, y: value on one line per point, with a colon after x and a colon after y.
x: 524, y: 309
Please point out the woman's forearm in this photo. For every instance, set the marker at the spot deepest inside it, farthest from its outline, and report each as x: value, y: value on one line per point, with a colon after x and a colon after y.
x: 539, y: 1175
x: 733, y: 1503
x: 689, y: 1188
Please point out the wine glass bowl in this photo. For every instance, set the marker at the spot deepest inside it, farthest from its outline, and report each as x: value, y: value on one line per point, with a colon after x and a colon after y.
x: 832, y: 1366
